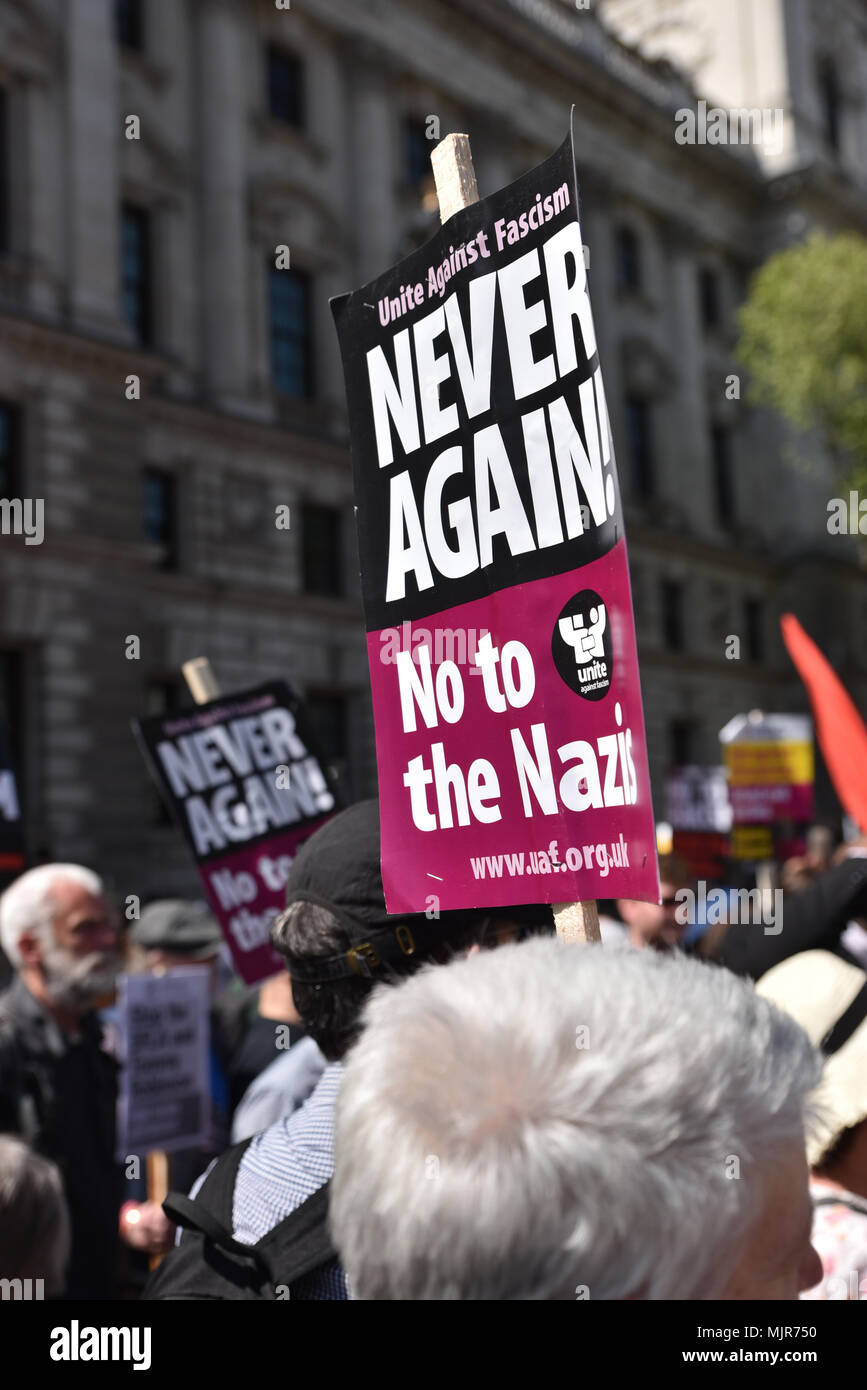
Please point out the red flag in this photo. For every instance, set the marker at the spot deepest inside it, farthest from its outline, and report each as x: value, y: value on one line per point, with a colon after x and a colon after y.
x: 839, y: 727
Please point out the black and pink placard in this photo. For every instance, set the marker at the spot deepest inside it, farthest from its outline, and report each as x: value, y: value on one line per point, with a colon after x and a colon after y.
x: 243, y: 779
x: 509, y: 727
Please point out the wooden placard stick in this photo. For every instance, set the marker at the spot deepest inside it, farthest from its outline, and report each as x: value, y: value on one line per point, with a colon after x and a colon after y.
x: 201, y: 680
x: 454, y: 175
x: 456, y: 186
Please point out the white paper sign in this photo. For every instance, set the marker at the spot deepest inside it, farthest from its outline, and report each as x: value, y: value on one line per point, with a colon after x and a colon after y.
x: 164, y: 1096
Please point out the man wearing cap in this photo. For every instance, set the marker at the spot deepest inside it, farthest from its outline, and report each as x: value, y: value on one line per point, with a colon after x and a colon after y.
x: 244, y: 1021
x: 828, y: 997
x: 339, y: 943
x: 172, y: 933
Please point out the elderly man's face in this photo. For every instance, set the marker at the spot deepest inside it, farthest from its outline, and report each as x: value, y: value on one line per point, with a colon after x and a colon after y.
x: 778, y: 1260
x: 83, y: 921
x: 82, y: 962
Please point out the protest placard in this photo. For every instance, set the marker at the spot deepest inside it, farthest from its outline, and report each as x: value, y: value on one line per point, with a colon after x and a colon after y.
x: 163, y: 1032
x: 698, y: 809
x: 697, y: 798
x: 770, y: 768
x: 242, y: 776
x: 509, y: 729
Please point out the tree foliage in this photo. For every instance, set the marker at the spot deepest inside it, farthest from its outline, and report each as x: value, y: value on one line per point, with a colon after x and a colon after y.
x: 804, y: 342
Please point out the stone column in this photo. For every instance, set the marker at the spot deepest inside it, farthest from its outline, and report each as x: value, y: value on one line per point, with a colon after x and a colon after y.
x: 171, y: 45
x: 92, y: 134
x: 44, y: 198
x: 688, y: 472
x: 375, y: 167
x: 222, y: 235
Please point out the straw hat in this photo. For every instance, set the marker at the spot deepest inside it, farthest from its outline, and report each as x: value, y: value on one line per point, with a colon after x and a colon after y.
x: 828, y: 997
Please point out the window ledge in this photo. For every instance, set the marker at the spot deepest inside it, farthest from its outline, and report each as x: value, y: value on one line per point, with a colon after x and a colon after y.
x: 143, y: 66
x: 636, y: 299
x: 301, y: 412
x: 281, y: 132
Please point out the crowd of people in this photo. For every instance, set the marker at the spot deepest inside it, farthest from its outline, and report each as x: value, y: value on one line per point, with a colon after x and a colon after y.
x: 460, y: 1107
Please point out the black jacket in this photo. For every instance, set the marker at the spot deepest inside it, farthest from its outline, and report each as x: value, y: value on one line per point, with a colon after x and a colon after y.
x: 812, y: 921
x: 60, y: 1094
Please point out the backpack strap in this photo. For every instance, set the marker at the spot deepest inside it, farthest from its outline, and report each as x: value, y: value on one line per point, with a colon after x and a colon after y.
x: 210, y: 1211
x: 301, y: 1243
x: 193, y: 1217
x: 296, y: 1246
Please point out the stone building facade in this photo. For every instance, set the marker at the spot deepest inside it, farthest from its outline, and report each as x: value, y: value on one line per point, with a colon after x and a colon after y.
x: 166, y: 387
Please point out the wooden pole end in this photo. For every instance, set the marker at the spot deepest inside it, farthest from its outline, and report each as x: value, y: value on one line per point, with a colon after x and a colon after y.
x: 200, y: 679
x: 454, y: 175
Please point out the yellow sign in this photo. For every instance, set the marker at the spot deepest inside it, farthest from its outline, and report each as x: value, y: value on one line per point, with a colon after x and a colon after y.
x: 768, y: 764
x: 752, y: 842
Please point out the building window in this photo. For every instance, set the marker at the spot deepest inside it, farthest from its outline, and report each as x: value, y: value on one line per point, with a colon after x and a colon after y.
x: 160, y: 515
x: 285, y: 87
x: 289, y: 302
x: 164, y: 696
x: 12, y: 707
x: 129, y: 24
x: 322, y: 549
x: 722, y: 474
x: 639, y: 433
x: 829, y: 98
x: 417, y: 148
x: 628, y: 260
x: 681, y: 742
x: 672, y: 615
x: 754, y: 629
x: 10, y: 456
x: 4, y: 171
x: 136, y: 270
x: 328, y: 716
x: 708, y: 284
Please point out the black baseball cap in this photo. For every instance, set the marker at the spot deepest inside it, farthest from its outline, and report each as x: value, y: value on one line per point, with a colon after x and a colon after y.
x: 338, y: 869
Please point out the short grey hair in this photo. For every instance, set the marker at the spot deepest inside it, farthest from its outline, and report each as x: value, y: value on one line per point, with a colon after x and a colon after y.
x: 26, y: 905
x: 33, y: 1216
x: 543, y: 1117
